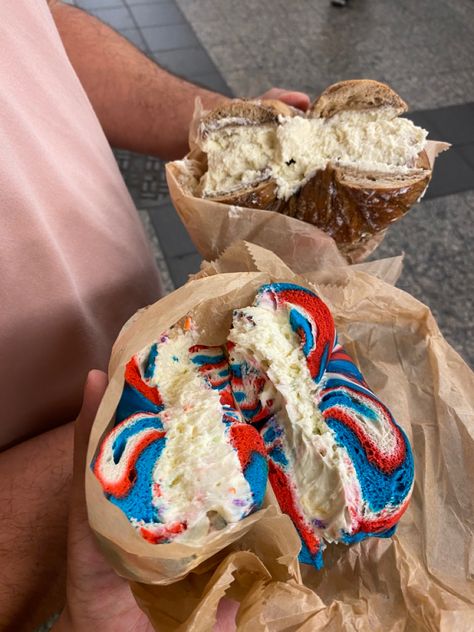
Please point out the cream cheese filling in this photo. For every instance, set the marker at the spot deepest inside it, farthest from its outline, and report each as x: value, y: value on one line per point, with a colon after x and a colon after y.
x: 199, y: 473
x: 321, y: 470
x: 292, y: 151
x: 238, y: 156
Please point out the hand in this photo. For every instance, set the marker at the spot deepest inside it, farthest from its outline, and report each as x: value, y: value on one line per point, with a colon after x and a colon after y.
x: 298, y: 100
x: 97, y: 598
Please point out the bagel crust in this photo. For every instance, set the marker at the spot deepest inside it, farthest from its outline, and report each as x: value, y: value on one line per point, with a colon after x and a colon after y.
x: 357, y: 94
x: 351, y: 211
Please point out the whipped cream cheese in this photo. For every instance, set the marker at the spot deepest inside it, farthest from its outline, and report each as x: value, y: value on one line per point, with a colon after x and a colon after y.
x: 292, y: 151
x: 237, y: 156
x: 321, y: 470
x: 198, y: 465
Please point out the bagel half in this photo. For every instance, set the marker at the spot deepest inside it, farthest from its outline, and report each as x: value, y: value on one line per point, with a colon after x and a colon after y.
x: 339, y: 464
x: 180, y: 462
x: 350, y: 166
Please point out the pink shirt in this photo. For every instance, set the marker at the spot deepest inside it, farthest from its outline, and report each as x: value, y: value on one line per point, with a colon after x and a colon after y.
x: 74, y: 259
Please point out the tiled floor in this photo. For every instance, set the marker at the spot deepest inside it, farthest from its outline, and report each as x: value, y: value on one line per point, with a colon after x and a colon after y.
x: 424, y: 49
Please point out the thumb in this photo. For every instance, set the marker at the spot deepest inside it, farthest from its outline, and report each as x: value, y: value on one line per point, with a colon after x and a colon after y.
x: 84, y: 557
x: 94, y: 389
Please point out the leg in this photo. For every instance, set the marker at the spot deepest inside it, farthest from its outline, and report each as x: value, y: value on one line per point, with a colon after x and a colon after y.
x: 35, y: 480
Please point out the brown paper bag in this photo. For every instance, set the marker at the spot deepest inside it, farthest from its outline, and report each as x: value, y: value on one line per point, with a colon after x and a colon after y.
x: 214, y: 226
x: 421, y: 579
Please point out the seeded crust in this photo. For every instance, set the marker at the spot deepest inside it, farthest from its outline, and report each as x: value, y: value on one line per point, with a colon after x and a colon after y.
x: 349, y: 204
x: 358, y: 94
x: 245, y: 112
x: 353, y: 207
x: 261, y: 196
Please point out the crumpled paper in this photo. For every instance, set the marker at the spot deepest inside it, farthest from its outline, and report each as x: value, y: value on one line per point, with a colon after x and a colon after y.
x: 422, y: 578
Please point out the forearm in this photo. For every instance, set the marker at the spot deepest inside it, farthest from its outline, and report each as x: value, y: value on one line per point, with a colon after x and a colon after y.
x: 36, y: 478
x: 140, y: 106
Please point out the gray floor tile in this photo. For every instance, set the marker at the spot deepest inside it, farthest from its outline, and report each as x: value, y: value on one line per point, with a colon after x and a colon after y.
x: 182, y: 267
x: 202, y: 10
x: 432, y: 90
x: 386, y: 58
x: 439, y: 268
x: 160, y: 38
x: 451, y: 175
x: 134, y: 2
x: 447, y: 42
x: 173, y: 237
x: 467, y: 153
x: 441, y: 10
x: 186, y: 62
x: 213, y: 31
x: 116, y: 17
x: 248, y: 82
x: 144, y: 176
x: 370, y: 13
x: 157, y: 14
x: 229, y: 58
x: 99, y: 4
x: 463, y: 9
x: 166, y: 282
x: 212, y: 81
x: 134, y: 36
x: 455, y: 124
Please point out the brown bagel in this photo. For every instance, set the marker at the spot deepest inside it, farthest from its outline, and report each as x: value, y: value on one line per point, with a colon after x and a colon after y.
x: 350, y: 203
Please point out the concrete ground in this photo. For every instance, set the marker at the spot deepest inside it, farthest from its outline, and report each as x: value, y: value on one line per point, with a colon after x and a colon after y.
x: 423, y: 49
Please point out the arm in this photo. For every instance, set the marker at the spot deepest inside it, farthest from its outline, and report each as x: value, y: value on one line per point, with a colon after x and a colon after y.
x: 140, y: 106
x: 35, y: 487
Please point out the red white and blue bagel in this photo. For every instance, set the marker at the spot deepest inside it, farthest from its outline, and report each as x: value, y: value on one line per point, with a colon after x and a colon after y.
x: 180, y: 462
x: 339, y: 464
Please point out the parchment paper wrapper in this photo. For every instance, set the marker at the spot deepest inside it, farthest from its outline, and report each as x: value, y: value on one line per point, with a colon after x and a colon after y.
x: 214, y: 226
x: 421, y: 579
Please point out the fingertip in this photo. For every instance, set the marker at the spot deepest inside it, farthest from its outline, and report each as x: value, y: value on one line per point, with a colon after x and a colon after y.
x: 96, y: 383
x: 97, y: 376
x: 295, y: 98
x: 298, y: 100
